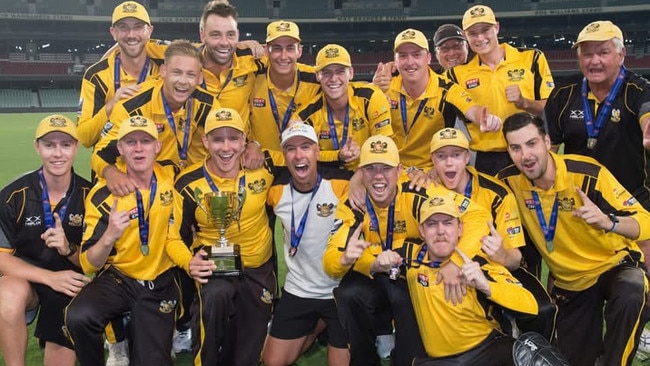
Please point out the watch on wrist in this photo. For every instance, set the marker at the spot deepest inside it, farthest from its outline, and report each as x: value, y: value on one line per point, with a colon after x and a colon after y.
x: 615, y: 222
x: 73, y: 250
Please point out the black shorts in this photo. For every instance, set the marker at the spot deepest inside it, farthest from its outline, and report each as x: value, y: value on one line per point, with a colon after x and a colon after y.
x: 296, y: 317
x: 50, y: 324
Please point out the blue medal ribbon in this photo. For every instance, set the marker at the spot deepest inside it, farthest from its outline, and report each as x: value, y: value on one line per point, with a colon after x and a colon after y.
x: 47, y: 206
x: 388, y: 245
x: 223, y: 86
x: 296, y: 235
x: 290, y: 107
x: 182, y: 149
x: 402, y: 107
x: 468, y: 187
x: 549, y: 230
x: 593, y: 129
x: 213, y: 186
x: 143, y: 220
x: 332, y: 126
x: 117, y: 72
x: 420, y: 258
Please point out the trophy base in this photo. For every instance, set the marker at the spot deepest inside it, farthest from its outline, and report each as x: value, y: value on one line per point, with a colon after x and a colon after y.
x: 227, y: 259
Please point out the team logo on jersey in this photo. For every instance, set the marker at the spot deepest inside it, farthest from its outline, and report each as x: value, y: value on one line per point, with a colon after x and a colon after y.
x: 358, y: 124
x: 428, y: 111
x: 423, y: 280
x: 240, y: 81
x: 567, y: 204
x: 266, y: 297
x: 33, y: 221
x: 259, y: 102
x: 107, y: 128
x: 324, y: 135
x: 516, y: 75
x: 530, y: 204
x: 167, y: 306
x: 181, y: 123
x: 400, y: 226
x: 166, y: 198
x: 463, y: 206
x: 75, y: 220
x: 381, y: 124
x: 513, y: 230
x: 257, y: 186
x: 472, y: 83
x: 616, y: 115
x: 629, y: 202
x: 324, y: 209
x: 577, y: 114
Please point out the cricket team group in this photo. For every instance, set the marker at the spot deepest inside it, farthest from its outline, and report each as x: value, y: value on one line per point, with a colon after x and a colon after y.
x: 416, y: 211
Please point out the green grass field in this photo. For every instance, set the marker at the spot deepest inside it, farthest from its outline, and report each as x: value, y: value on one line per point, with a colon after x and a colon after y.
x: 17, y: 156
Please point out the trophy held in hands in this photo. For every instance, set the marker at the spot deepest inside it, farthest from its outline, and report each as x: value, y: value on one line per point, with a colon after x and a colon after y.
x: 221, y: 209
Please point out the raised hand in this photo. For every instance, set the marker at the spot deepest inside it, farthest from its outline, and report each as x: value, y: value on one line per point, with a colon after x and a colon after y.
x: 591, y: 213
x: 55, y: 237
x: 350, y: 151
x: 355, y: 247
x: 383, y: 75
x: 118, y: 182
x: 488, y: 122
x: 118, y: 221
x: 492, y: 245
x: 472, y: 275
x: 513, y: 95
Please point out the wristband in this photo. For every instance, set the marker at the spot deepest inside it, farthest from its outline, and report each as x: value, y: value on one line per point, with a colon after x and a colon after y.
x: 615, y: 222
x: 73, y: 250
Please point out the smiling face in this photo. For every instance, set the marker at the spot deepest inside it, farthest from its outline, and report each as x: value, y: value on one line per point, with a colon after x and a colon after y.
x: 139, y: 151
x: 301, y: 156
x: 483, y: 38
x: 220, y: 36
x: 284, y: 53
x: 440, y: 232
x: 181, y: 74
x: 334, y: 80
x: 412, y: 62
x: 131, y: 35
x: 452, y: 52
x: 57, y: 151
x: 225, y: 145
x: 600, y: 61
x: 380, y: 182
x: 529, y: 150
x: 450, y: 163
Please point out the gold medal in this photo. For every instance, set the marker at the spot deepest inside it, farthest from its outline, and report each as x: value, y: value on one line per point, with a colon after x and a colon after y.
x: 591, y: 142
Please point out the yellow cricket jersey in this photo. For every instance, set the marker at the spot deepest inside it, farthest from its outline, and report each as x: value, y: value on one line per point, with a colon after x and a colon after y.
x: 448, y: 329
x: 98, y: 87
x: 406, y: 218
x: 252, y: 232
x: 580, y: 252
x: 439, y: 96
x: 264, y: 127
x: 233, y: 87
x: 526, y: 68
x: 127, y: 256
x: 368, y: 115
x: 148, y: 103
x: 496, y: 197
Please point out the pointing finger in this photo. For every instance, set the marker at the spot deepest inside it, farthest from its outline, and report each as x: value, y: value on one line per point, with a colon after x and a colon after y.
x: 57, y: 220
x: 493, y: 230
x: 462, y: 255
x: 583, y: 196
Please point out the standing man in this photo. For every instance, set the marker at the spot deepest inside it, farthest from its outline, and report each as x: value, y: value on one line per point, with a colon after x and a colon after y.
x: 371, y: 267
x: 603, y: 113
x: 282, y: 88
x: 118, y: 76
x: 229, y: 315
x: 346, y: 113
x: 174, y: 103
x: 585, y: 225
x: 503, y: 78
x: 126, y: 244
x: 40, y: 231
x: 475, y: 337
x: 304, y: 197
x: 419, y: 98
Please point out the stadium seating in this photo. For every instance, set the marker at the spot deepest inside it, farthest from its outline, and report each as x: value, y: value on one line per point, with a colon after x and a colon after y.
x: 59, y: 98
x: 16, y: 98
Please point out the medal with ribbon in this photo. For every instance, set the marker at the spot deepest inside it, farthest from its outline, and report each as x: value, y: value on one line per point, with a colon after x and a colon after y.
x: 118, y: 70
x: 390, y: 224
x: 548, y: 230
x: 296, y: 234
x: 332, y: 126
x: 593, y: 129
x: 143, y: 219
x: 182, y: 149
x: 402, y: 108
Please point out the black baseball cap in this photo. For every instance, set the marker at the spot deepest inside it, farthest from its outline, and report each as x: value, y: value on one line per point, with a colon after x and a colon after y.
x: 446, y: 32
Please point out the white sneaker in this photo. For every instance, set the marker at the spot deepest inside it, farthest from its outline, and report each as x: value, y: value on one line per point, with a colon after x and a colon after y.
x: 182, y: 341
x: 643, y: 351
x: 118, y: 354
x: 385, y: 344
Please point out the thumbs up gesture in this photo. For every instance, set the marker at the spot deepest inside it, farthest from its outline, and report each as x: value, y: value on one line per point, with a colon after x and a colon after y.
x: 55, y: 237
x: 383, y: 75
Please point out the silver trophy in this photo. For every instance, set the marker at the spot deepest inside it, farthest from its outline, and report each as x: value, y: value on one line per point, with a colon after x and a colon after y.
x: 222, y: 209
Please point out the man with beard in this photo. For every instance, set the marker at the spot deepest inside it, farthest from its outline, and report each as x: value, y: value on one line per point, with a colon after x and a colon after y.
x: 304, y: 196
x: 585, y: 225
x: 176, y: 105
x: 118, y: 76
x: 40, y: 231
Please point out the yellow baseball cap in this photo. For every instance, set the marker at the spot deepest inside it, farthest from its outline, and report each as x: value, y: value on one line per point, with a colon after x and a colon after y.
x: 54, y: 123
x: 478, y: 14
x: 379, y: 149
x: 601, y: 30
x: 411, y: 36
x: 130, y: 9
x: 439, y: 204
x: 137, y: 123
x: 282, y: 28
x: 332, y: 54
x: 448, y: 137
x: 223, y: 117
